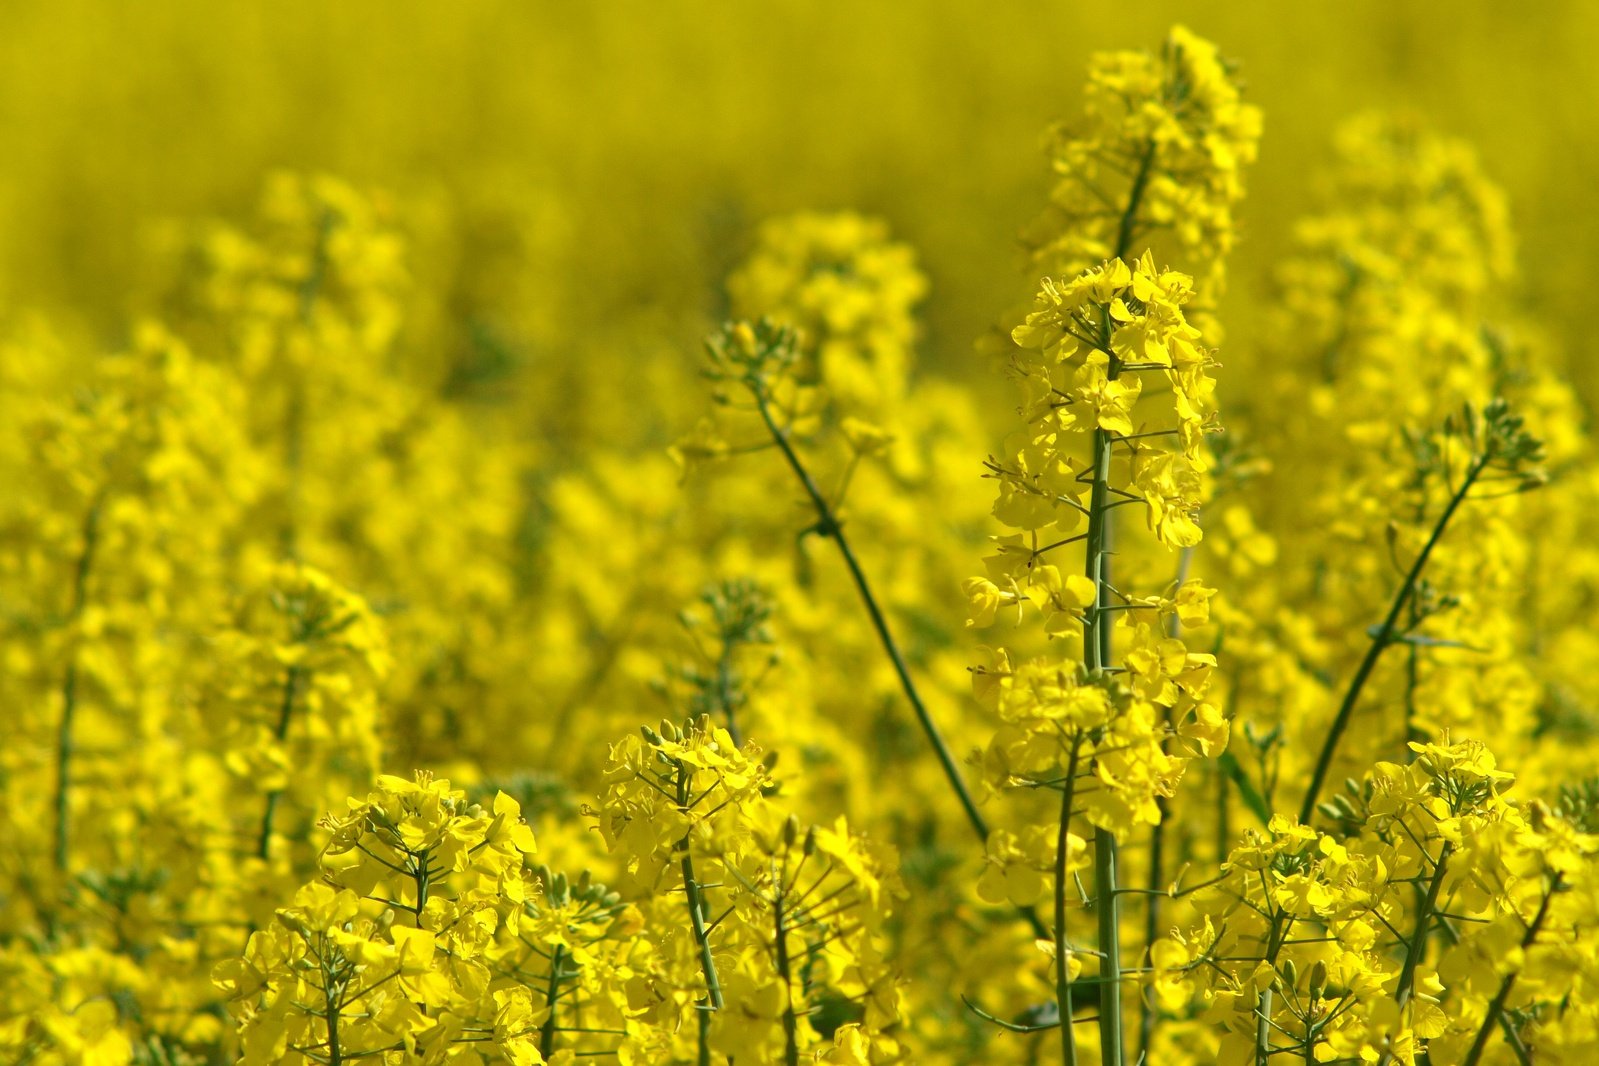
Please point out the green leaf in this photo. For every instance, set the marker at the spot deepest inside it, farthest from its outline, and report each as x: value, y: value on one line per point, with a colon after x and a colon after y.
x: 1246, y: 788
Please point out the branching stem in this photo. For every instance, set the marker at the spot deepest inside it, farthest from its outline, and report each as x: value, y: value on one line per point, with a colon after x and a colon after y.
x: 828, y: 525
x: 1497, y: 1007
x: 1379, y: 642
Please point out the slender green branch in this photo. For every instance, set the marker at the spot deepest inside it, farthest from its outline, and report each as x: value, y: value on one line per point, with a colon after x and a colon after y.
x: 1157, y: 846
x: 1063, y: 983
x: 1108, y: 911
x: 696, y: 910
x: 725, y: 693
x: 1497, y: 1007
x: 1095, y: 658
x: 1424, y: 916
x: 1124, y: 240
x: 551, y: 994
x: 1263, y: 1008
x: 1135, y: 197
x: 1381, y: 640
x: 790, y: 1022
x: 330, y: 993
x: 1426, y: 911
x: 828, y: 525
x: 90, y: 535
x: 292, y: 680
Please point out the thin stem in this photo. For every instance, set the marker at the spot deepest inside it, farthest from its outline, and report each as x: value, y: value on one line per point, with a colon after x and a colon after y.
x: 69, y: 685
x: 1413, y: 733
x: 1380, y: 641
x: 1157, y: 847
x: 1095, y: 655
x: 1135, y: 196
x: 725, y: 692
x: 1063, y: 982
x: 1497, y: 1007
x: 1223, y: 821
x: 1418, y: 939
x: 703, y: 1058
x: 294, y: 415
x: 827, y: 524
x: 1263, y: 1027
x: 1263, y: 1023
x: 330, y: 995
x: 1109, y: 914
x: 1095, y: 650
x: 292, y: 680
x: 696, y: 910
x: 790, y: 1023
x: 696, y: 913
x: 1124, y: 239
x: 552, y: 993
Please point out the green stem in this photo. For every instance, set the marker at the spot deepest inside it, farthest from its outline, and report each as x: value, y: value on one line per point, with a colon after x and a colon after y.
x: 294, y: 415
x: 1418, y: 939
x: 1124, y: 240
x: 420, y: 874
x: 1135, y: 196
x: 696, y: 912
x: 551, y: 994
x: 1263, y: 1026
x: 828, y: 525
x: 1063, y: 983
x: 1263, y: 1007
x: 1417, y: 944
x: 1096, y: 657
x: 696, y: 909
x: 1512, y: 1038
x: 292, y: 680
x: 1497, y: 1007
x: 725, y: 693
x: 1095, y: 645
x: 1380, y: 642
x: 1223, y: 822
x: 1110, y: 973
x: 331, y: 998
x: 1413, y: 733
x: 1157, y: 848
x: 790, y: 1022
x: 69, y: 686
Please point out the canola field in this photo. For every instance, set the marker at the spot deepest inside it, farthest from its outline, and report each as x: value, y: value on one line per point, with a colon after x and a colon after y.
x: 721, y: 534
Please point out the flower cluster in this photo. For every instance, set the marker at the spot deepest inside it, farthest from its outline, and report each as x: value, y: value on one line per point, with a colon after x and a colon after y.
x: 373, y: 480
x: 1167, y: 133
x: 387, y: 952
x: 781, y: 951
x: 1433, y: 917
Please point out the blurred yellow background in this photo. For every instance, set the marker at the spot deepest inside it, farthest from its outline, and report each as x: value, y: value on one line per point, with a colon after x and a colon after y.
x: 610, y: 159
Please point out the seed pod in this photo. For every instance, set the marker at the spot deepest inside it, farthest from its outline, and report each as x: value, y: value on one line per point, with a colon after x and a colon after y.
x: 1318, y: 978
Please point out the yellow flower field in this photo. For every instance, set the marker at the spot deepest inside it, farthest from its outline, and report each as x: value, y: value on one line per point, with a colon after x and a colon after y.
x: 709, y: 533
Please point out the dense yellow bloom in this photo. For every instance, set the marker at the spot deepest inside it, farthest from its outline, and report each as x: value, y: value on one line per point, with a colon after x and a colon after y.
x: 1158, y: 156
x: 1286, y: 741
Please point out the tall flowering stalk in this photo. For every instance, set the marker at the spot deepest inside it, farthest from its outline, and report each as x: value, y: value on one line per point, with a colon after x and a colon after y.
x: 1158, y: 158
x: 1097, y: 732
